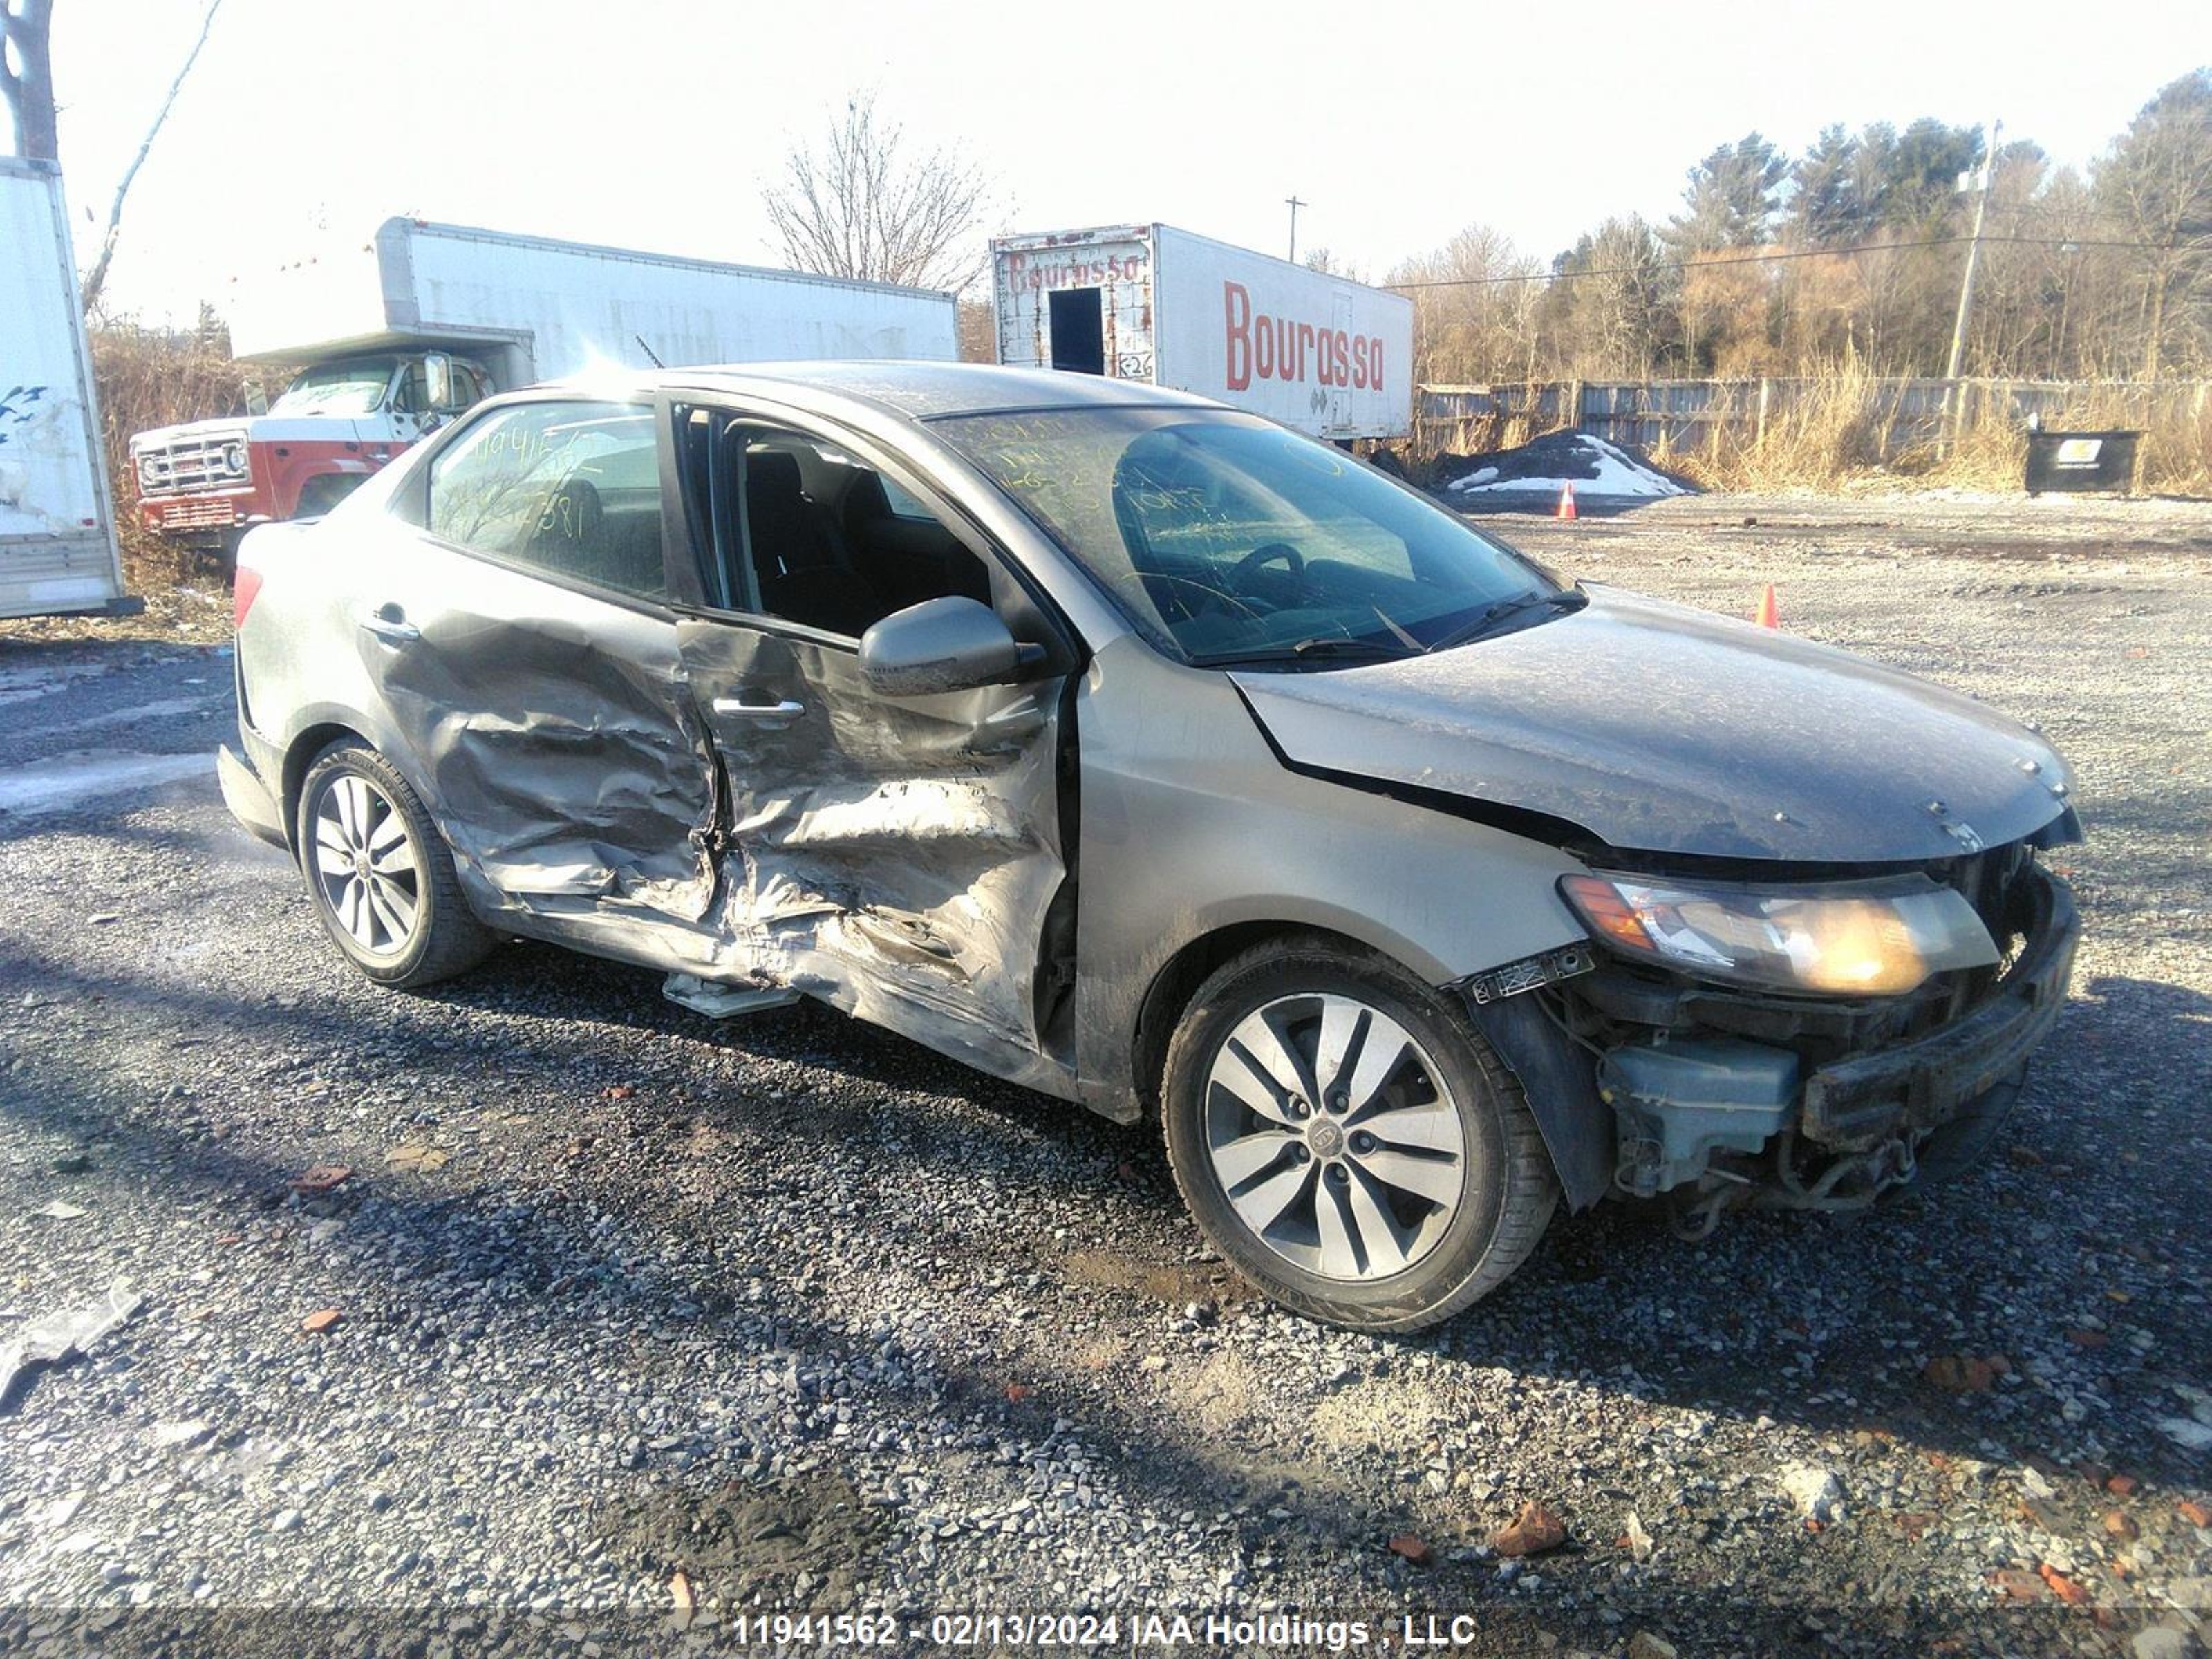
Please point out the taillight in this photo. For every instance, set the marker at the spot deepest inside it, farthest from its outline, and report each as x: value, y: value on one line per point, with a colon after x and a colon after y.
x: 243, y: 587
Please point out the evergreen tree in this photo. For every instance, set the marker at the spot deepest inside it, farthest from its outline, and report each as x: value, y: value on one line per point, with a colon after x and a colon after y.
x: 1821, y: 209
x: 1731, y: 197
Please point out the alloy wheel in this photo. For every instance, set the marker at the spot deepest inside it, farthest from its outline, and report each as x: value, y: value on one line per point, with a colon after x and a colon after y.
x: 365, y: 865
x: 1335, y: 1136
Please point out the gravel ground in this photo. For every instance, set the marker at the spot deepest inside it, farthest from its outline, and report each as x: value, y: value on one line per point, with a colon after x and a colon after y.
x: 623, y: 1312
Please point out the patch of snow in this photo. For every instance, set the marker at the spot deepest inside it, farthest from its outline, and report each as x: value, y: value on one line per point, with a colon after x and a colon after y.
x: 161, y: 709
x: 56, y: 785
x: 1611, y: 472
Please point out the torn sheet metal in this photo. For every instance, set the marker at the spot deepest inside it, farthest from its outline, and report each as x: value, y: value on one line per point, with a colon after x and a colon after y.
x: 1658, y: 728
x: 894, y: 857
x: 54, y: 1339
x: 557, y: 750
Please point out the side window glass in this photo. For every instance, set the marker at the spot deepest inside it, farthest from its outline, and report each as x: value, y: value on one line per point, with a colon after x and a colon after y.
x: 414, y: 395
x: 903, y: 502
x: 572, y: 489
x: 467, y: 391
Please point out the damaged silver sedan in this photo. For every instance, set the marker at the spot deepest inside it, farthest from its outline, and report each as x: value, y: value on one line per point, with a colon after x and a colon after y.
x: 1154, y: 757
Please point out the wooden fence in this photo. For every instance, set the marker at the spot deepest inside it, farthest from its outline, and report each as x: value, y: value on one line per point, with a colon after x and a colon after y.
x: 1693, y: 415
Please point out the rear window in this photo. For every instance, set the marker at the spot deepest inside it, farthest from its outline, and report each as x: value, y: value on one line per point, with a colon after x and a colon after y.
x: 571, y: 489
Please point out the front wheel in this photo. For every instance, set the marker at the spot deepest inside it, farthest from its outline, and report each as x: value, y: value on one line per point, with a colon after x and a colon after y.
x: 379, y: 874
x: 1348, y: 1140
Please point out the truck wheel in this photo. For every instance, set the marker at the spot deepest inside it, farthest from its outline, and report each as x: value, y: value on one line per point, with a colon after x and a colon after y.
x: 379, y: 875
x: 1348, y: 1140
x: 320, y: 495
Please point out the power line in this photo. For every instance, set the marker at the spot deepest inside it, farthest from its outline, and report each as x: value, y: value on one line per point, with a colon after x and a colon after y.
x: 1771, y: 258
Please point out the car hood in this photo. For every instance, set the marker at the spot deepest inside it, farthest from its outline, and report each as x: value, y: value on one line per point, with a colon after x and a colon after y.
x: 1649, y: 726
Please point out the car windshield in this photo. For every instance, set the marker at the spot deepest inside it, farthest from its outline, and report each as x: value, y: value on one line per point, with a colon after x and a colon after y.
x: 1225, y: 539
x: 355, y: 388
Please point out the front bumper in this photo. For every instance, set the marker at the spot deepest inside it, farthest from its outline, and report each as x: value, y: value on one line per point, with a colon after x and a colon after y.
x: 201, y: 512
x: 1858, y: 1102
x: 1790, y: 1100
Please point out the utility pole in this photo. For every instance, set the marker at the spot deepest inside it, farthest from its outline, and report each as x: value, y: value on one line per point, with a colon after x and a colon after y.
x: 1974, y: 257
x: 1294, y: 205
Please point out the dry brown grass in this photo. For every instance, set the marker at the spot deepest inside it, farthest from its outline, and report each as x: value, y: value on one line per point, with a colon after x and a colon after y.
x: 149, y: 380
x: 1814, y: 441
x: 1837, y: 436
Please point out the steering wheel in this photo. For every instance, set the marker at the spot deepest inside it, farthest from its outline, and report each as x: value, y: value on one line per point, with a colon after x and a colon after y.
x: 1208, y: 594
x: 1273, y: 553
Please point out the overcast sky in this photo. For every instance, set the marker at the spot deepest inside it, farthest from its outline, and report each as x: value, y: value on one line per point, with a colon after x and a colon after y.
x: 651, y: 124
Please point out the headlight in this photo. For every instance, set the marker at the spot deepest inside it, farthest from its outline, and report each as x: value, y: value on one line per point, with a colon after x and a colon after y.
x: 1863, y: 939
x: 233, y: 459
x: 153, y: 472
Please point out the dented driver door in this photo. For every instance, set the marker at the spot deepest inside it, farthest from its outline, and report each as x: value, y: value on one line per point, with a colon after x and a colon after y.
x: 900, y: 858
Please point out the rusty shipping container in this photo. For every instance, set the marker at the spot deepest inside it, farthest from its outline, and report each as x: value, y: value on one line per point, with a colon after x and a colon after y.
x: 1153, y: 303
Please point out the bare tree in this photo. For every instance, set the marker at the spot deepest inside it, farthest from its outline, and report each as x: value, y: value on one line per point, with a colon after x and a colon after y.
x: 2158, y: 174
x: 27, y: 76
x: 859, y: 207
x: 1471, y: 298
x: 97, y: 279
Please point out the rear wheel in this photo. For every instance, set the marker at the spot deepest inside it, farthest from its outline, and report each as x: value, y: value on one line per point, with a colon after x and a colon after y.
x: 1348, y: 1139
x: 379, y: 875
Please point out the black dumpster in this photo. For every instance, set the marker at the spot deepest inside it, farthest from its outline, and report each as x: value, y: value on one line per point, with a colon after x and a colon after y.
x: 2081, y: 461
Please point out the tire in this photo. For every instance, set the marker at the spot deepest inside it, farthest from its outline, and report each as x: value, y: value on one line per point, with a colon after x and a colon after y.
x: 1417, y: 1200
x: 362, y: 906
x: 322, y: 492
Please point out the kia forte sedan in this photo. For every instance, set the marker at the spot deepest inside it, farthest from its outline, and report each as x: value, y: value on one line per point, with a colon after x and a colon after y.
x: 1157, y: 759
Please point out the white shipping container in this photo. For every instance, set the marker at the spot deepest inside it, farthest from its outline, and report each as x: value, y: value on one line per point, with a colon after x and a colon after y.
x: 57, y: 551
x: 540, y: 309
x: 1149, y: 302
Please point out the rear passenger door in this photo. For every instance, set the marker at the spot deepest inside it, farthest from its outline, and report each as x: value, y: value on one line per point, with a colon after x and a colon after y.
x: 900, y: 858
x: 527, y: 650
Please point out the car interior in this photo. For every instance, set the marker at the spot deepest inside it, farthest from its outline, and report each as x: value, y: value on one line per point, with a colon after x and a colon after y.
x: 827, y: 541
x: 1224, y: 566
x: 604, y: 528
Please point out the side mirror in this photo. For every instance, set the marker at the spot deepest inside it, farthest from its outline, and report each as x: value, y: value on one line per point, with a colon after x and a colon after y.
x: 939, y: 645
x: 437, y: 381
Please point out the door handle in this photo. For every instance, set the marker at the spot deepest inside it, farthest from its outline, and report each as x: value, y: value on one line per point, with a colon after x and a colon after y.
x: 786, y: 710
x: 391, y: 625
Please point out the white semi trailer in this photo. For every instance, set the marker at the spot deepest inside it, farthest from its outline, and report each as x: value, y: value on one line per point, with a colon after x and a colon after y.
x: 1149, y: 302
x: 57, y: 550
x: 394, y: 337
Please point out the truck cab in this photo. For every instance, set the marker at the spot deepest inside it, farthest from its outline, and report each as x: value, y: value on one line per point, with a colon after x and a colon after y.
x: 207, y: 483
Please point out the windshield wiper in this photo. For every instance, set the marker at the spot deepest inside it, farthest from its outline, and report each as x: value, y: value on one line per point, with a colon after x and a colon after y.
x: 1321, y: 648
x: 1569, y: 599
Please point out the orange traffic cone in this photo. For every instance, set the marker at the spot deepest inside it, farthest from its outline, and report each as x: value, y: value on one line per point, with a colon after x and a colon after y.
x: 1768, y: 617
x: 1567, y: 500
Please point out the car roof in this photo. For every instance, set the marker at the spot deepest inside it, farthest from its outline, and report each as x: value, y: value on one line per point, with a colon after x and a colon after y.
x: 924, y: 391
